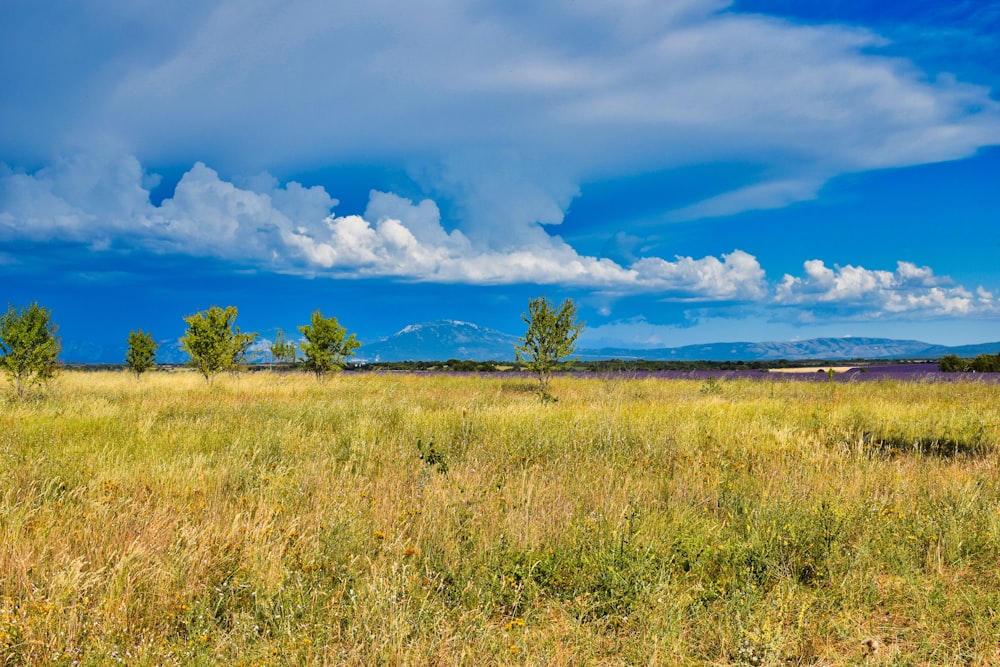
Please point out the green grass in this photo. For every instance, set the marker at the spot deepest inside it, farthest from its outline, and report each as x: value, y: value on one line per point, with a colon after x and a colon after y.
x: 277, y: 520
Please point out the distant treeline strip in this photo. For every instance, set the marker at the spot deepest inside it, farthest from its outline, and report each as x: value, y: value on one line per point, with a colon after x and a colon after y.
x: 600, y: 366
x: 984, y: 363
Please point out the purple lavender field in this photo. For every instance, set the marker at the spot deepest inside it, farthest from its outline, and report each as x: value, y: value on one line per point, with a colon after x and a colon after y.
x: 906, y: 372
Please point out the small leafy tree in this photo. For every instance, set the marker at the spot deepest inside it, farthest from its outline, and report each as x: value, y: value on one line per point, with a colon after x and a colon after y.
x: 985, y: 363
x: 141, y: 354
x: 952, y: 363
x: 326, y: 344
x: 214, y: 342
x: 551, y: 336
x: 243, y: 351
x: 282, y: 349
x: 29, y: 345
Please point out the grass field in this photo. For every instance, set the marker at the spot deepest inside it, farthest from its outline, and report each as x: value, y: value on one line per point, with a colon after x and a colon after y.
x: 458, y: 520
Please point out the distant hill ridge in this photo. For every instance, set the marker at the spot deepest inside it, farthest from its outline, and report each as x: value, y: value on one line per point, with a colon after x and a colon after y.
x: 453, y: 339
x: 441, y: 340
x: 814, y: 348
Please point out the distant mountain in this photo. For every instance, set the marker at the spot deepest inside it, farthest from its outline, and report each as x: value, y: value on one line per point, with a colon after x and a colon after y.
x: 452, y: 339
x: 90, y: 352
x: 965, y: 351
x: 440, y: 341
x: 815, y: 348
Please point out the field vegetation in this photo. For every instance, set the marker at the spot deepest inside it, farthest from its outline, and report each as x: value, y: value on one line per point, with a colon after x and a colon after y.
x: 385, y: 518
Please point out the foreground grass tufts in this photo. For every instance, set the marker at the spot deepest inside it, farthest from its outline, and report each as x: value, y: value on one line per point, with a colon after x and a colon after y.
x: 399, y: 519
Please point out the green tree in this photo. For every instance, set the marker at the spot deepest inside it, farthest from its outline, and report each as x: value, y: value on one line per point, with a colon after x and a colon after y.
x: 141, y: 354
x: 243, y: 351
x: 551, y: 336
x: 985, y: 363
x: 326, y: 344
x: 282, y: 349
x: 952, y: 363
x: 29, y: 345
x: 214, y: 342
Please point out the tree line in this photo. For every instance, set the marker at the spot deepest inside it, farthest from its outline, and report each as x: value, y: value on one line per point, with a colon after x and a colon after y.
x: 215, y: 344
x: 983, y: 363
x: 31, y: 347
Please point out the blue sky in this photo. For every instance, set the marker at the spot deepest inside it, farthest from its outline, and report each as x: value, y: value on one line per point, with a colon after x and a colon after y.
x: 687, y: 171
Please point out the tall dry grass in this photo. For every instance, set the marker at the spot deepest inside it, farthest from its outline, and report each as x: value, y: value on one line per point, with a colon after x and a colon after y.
x: 273, y: 519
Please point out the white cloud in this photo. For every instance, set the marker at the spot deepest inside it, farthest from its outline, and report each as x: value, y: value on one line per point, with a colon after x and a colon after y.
x: 737, y: 276
x: 909, y: 290
x: 763, y: 196
x: 77, y: 198
x: 385, y: 245
x: 103, y: 202
x: 291, y: 229
x: 503, y: 109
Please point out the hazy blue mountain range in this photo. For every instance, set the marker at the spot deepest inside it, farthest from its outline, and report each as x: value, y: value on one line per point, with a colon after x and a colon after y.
x: 439, y: 341
x: 449, y: 339
x: 452, y: 339
x: 90, y: 352
x: 816, y: 348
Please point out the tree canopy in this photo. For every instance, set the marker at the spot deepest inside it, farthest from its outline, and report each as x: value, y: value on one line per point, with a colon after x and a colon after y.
x: 29, y: 345
x: 551, y: 337
x: 282, y: 349
x: 214, y: 342
x: 983, y: 363
x: 141, y: 354
x: 326, y: 345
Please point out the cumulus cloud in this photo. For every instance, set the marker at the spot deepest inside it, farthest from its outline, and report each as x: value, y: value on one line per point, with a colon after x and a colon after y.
x: 293, y: 229
x: 103, y: 202
x: 737, y: 275
x: 909, y: 290
x: 77, y: 198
